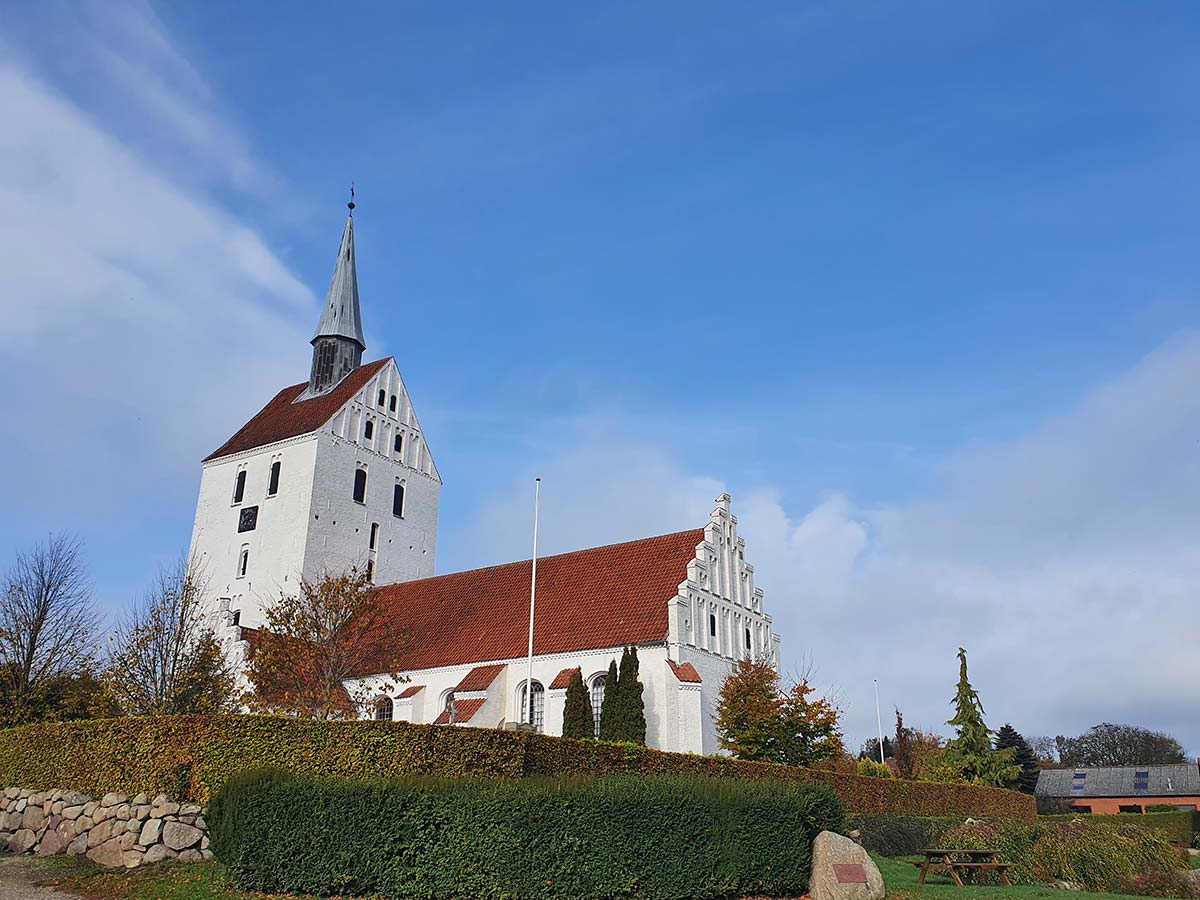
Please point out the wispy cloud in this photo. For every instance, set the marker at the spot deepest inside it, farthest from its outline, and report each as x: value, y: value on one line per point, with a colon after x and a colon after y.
x: 142, y: 319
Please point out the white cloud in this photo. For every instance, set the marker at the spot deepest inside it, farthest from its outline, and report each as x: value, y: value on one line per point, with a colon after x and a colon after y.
x: 1064, y: 560
x: 141, y: 321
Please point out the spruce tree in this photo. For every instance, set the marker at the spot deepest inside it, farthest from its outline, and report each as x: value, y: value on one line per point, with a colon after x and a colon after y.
x: 577, y: 715
x: 633, y: 706
x: 1008, y: 737
x: 969, y: 754
x: 609, y: 712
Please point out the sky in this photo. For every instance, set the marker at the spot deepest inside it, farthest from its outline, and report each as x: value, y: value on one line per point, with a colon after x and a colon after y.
x: 917, y: 283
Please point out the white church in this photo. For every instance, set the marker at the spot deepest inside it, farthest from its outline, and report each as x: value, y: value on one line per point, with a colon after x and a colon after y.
x: 336, y: 471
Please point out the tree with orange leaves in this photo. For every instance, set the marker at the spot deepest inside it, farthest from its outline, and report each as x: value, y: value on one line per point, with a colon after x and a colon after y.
x: 757, y: 719
x: 314, y: 644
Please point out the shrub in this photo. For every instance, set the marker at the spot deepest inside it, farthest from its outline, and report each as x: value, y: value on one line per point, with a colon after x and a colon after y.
x: 578, y: 838
x: 900, y: 835
x: 869, y: 768
x: 191, y: 756
x: 1098, y: 855
x: 1180, y: 824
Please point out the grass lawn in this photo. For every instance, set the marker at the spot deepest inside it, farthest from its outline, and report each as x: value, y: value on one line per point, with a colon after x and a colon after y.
x: 901, y: 879
x: 207, y: 881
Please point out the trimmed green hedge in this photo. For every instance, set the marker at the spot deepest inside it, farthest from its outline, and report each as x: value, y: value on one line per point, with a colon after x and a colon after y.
x: 536, y: 838
x: 191, y: 756
x: 1180, y: 824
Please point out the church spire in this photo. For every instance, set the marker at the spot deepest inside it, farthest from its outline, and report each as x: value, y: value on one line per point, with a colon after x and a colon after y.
x: 338, y: 342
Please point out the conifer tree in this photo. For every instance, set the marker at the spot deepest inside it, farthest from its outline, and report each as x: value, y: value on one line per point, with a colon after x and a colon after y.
x: 577, y: 715
x: 969, y: 755
x: 1008, y: 737
x: 609, y: 706
x: 633, y: 706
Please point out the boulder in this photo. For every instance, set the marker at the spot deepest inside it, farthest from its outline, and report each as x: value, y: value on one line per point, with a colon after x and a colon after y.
x: 132, y: 858
x: 34, y: 818
x: 57, y: 807
x: 189, y: 809
x: 107, y: 854
x: 842, y: 870
x: 20, y: 805
x: 164, y: 809
x: 129, y: 840
x: 140, y: 800
x: 206, y: 854
x: 124, y: 811
x: 158, y: 853
x: 100, y: 833
x: 191, y: 856
x: 90, y: 807
x: 142, y: 811
x: 66, y: 831
x: 74, y: 798
x: 72, y: 812
x: 12, y: 793
x: 113, y: 799
x: 50, y: 844
x: 78, y: 846
x: 21, y: 841
x: 150, y: 832
x: 84, y: 823
x: 178, y: 836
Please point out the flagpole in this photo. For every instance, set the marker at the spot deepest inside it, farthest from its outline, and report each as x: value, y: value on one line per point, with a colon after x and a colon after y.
x: 878, y: 721
x: 537, y: 496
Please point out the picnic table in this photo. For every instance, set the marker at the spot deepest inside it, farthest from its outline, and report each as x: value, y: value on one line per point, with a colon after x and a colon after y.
x: 964, y: 866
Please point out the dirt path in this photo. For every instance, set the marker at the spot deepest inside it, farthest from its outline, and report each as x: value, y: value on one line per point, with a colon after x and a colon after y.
x: 18, y: 880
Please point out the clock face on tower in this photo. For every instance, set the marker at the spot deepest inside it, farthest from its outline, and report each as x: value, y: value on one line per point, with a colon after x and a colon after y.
x: 248, y: 519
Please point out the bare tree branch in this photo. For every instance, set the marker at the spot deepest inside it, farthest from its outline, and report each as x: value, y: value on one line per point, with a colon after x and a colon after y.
x: 48, y: 621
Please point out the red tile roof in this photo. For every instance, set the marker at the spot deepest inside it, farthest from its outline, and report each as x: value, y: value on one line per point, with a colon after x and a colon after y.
x: 283, y: 418
x: 603, y: 597
x: 411, y: 691
x: 686, y: 672
x: 479, y: 678
x: 562, y: 679
x: 463, y: 711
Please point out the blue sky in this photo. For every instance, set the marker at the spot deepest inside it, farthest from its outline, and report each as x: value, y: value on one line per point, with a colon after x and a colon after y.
x: 916, y: 282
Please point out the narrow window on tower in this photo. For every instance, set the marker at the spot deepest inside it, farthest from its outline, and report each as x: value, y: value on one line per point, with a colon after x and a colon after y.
x: 243, y: 561
x: 392, y: 404
x: 239, y: 486
x: 712, y: 625
x: 273, y: 481
x: 398, y: 500
x: 373, y: 552
x: 747, y: 638
x: 369, y: 430
x: 399, y: 442
x: 382, y: 398
x: 360, y: 485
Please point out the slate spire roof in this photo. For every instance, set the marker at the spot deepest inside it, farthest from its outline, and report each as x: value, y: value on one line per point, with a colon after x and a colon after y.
x: 340, y: 316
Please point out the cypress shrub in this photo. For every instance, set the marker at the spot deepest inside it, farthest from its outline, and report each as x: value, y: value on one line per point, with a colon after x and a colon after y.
x: 577, y: 715
x: 536, y: 838
x: 633, y: 705
x: 610, y: 706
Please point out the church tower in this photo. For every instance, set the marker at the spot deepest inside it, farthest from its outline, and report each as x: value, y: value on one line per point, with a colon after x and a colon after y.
x: 338, y: 343
x: 333, y: 472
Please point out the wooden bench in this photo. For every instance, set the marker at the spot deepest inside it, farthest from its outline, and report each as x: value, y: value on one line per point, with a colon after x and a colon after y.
x: 973, y: 870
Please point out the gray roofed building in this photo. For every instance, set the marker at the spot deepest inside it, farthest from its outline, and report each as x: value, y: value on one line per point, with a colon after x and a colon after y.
x: 1182, y: 780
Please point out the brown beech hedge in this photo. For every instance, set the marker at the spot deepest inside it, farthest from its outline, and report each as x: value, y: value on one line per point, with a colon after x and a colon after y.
x: 191, y: 756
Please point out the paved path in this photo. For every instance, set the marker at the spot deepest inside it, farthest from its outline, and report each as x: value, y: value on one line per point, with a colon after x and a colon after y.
x: 18, y: 877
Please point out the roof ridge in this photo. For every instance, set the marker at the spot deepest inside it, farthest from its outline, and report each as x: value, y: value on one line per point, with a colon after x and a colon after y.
x: 542, y: 559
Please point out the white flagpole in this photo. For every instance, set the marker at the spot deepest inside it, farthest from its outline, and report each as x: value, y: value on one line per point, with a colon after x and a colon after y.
x: 878, y: 721
x: 537, y: 496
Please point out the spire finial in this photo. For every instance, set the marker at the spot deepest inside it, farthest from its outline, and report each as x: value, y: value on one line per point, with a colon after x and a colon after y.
x: 350, y: 205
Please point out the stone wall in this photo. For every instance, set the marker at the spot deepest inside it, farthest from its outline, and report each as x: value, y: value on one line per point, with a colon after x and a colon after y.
x: 113, y: 831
